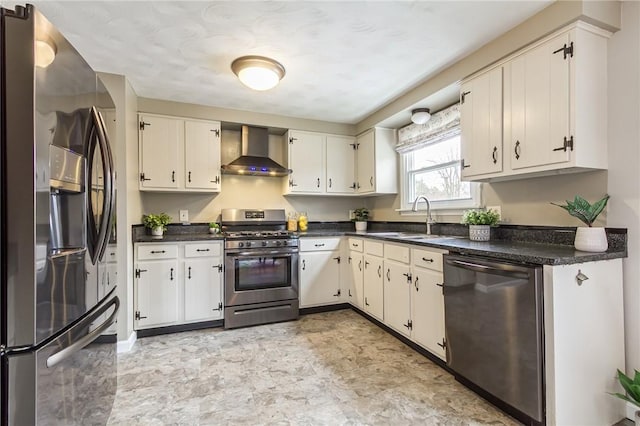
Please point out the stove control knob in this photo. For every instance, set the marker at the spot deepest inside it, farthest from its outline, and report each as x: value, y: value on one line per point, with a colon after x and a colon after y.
x: 264, y: 243
x: 285, y: 243
x: 248, y: 243
x: 278, y: 243
x: 241, y: 245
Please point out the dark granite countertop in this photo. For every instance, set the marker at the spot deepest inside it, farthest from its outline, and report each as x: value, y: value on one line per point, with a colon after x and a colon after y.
x: 515, y: 251
x: 524, y: 244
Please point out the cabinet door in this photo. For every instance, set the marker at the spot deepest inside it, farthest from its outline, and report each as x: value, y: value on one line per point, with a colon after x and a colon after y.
x: 366, y: 163
x: 373, y: 287
x: 355, y: 293
x: 481, y: 124
x: 157, y: 293
x: 202, y: 155
x: 341, y: 162
x: 540, y: 105
x: 202, y: 289
x: 306, y: 160
x: 427, y: 308
x: 319, y: 278
x: 161, y: 143
x: 397, y: 297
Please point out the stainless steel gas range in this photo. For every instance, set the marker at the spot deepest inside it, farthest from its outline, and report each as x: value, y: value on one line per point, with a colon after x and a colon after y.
x: 261, y: 268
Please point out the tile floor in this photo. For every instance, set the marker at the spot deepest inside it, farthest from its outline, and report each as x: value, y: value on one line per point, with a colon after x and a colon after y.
x: 332, y: 368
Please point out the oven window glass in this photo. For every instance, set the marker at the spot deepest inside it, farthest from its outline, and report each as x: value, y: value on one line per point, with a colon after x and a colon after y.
x: 263, y: 272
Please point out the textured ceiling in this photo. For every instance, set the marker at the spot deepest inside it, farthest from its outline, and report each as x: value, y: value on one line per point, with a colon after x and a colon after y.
x: 344, y: 60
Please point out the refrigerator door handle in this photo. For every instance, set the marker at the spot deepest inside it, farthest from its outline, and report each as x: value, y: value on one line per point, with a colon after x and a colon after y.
x: 84, y: 341
x: 109, y: 192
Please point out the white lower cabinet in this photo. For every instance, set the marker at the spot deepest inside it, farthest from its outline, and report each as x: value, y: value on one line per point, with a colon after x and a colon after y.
x: 177, y: 283
x: 157, y: 293
x: 373, y: 286
x: 427, y: 301
x: 353, y: 269
x: 397, y: 297
x: 319, y: 271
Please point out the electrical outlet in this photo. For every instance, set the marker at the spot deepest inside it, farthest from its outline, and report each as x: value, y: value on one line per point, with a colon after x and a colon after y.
x: 351, y: 214
x: 184, y: 216
x: 496, y: 209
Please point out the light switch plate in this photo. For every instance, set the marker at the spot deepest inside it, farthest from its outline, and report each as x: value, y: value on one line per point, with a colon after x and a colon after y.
x: 184, y: 216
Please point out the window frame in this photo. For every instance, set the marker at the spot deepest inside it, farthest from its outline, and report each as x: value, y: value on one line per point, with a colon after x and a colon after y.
x: 442, y: 206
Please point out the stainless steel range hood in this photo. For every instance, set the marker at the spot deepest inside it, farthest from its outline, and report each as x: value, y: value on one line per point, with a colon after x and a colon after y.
x: 255, y: 159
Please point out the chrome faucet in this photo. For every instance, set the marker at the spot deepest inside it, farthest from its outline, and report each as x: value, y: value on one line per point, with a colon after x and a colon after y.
x: 415, y: 209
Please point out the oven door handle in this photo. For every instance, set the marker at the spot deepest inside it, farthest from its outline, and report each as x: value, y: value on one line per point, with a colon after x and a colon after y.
x: 259, y: 253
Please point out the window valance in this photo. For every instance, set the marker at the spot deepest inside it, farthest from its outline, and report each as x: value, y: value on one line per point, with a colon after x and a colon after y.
x: 442, y: 125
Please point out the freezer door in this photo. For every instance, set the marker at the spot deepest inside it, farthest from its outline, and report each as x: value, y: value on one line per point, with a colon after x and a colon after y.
x: 71, y: 380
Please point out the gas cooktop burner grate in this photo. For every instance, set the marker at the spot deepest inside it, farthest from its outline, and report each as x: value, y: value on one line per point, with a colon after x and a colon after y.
x: 258, y: 234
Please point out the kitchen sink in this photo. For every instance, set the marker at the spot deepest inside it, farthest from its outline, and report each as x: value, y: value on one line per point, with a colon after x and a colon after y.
x: 406, y: 236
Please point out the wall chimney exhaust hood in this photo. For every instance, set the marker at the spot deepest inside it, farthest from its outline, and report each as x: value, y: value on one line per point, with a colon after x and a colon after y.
x: 255, y: 159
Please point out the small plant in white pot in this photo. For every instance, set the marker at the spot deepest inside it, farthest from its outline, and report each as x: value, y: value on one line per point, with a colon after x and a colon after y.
x: 360, y: 217
x: 480, y: 223
x: 632, y: 389
x: 214, y: 228
x: 157, y: 223
x: 588, y: 238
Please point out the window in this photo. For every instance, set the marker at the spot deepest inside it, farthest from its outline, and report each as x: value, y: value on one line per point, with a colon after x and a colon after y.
x: 433, y: 170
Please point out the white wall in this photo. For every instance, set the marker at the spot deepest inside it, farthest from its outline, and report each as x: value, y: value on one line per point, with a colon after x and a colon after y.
x: 624, y: 160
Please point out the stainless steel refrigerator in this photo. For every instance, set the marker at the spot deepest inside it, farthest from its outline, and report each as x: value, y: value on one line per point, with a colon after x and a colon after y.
x: 57, y: 196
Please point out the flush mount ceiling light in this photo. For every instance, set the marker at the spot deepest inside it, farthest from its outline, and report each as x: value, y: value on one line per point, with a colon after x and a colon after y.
x: 420, y: 115
x: 258, y: 72
x: 45, y: 53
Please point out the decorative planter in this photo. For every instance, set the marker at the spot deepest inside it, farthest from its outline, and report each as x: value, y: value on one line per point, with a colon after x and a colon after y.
x: 636, y: 418
x: 479, y: 232
x: 361, y: 226
x: 157, y: 231
x: 213, y: 230
x: 591, y: 239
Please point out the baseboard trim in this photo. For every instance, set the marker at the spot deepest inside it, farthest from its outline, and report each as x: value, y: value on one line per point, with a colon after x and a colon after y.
x: 325, y: 308
x: 148, y: 332
x: 127, y: 345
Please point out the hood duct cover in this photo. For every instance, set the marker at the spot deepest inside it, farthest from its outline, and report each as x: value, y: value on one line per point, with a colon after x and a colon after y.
x: 255, y: 159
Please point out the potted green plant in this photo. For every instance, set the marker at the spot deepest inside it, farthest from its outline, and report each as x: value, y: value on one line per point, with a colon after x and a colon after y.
x: 360, y: 217
x: 157, y: 223
x: 480, y: 223
x: 214, y: 228
x: 588, y: 238
x: 632, y: 389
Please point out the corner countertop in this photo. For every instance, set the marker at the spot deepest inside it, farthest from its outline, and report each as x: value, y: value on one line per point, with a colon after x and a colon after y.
x: 515, y: 251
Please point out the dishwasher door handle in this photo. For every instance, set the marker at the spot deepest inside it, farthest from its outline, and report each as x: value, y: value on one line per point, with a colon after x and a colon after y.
x: 497, y: 268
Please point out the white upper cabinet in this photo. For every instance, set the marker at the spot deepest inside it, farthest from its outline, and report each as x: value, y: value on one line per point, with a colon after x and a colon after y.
x: 202, y: 155
x: 307, y: 162
x: 161, y: 142
x: 481, y: 124
x: 341, y: 158
x: 554, y: 103
x: 178, y: 155
x: 376, y: 162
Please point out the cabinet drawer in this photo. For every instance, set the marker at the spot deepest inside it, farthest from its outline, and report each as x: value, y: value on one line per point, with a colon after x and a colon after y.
x: 157, y: 251
x: 374, y: 247
x: 356, y: 244
x: 427, y: 259
x: 110, y: 254
x: 318, y: 244
x: 202, y: 250
x: 396, y: 252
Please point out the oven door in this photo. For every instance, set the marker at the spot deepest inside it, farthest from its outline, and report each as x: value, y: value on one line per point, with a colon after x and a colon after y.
x: 257, y: 276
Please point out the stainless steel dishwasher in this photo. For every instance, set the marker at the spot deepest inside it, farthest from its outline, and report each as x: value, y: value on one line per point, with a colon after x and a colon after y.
x: 494, y: 331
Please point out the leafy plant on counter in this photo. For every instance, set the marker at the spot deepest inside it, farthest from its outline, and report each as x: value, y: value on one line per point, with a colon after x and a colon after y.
x: 361, y: 214
x: 481, y: 217
x: 632, y: 387
x: 153, y: 221
x: 213, y: 225
x: 580, y: 208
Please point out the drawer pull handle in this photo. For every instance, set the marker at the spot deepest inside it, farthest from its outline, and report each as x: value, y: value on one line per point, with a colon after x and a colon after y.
x: 319, y: 245
x: 171, y: 274
x: 427, y: 260
x: 355, y: 245
x: 440, y: 285
x: 202, y: 249
x: 189, y: 272
x: 360, y: 265
x: 157, y: 251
